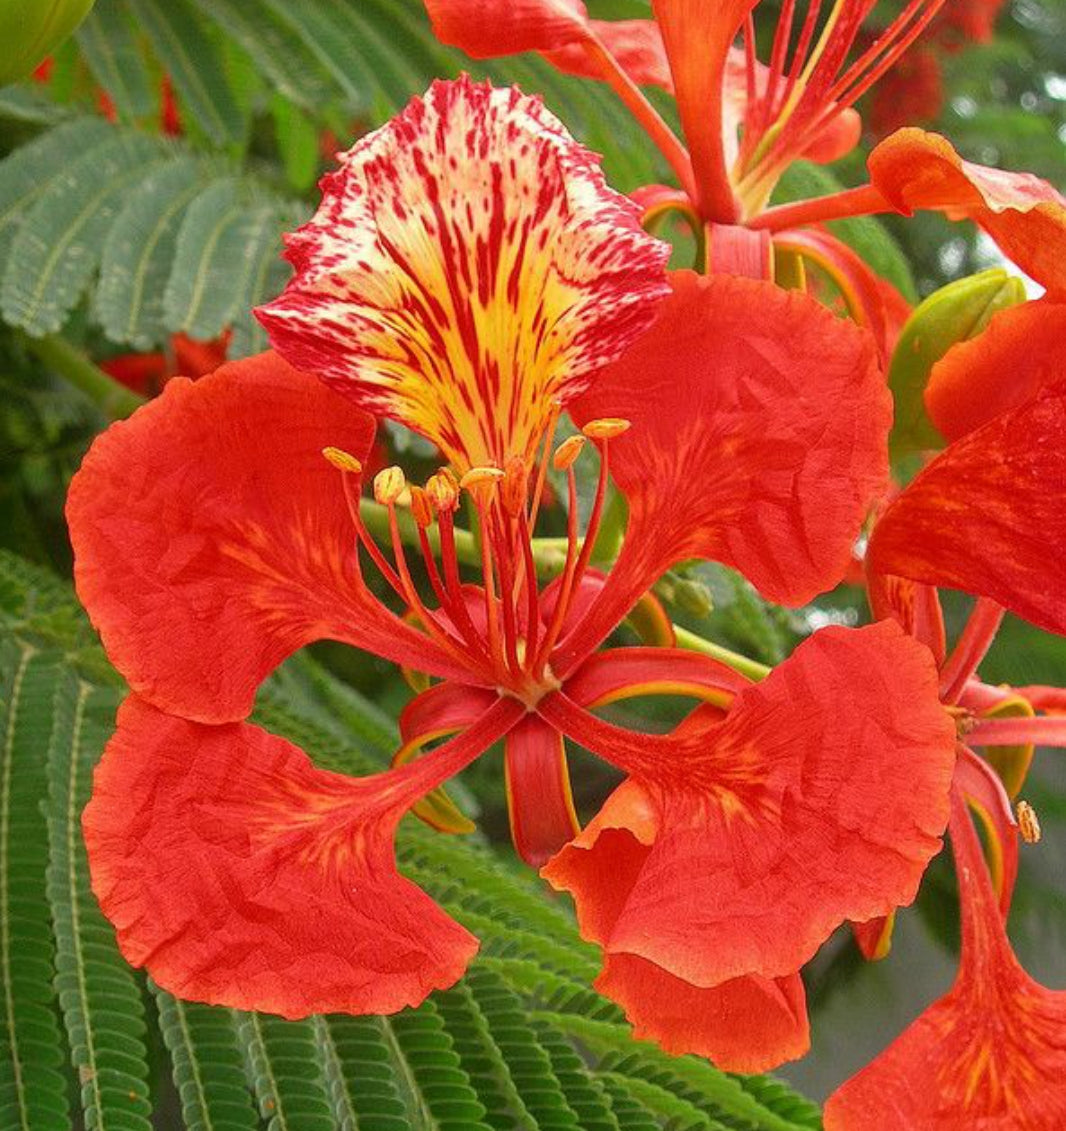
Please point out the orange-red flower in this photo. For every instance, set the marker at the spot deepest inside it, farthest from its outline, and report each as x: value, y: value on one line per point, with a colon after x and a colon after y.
x: 470, y: 275
x: 745, y: 123
x: 990, y: 1054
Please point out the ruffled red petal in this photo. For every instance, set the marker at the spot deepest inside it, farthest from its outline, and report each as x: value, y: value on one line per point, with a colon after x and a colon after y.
x: 990, y: 1055
x: 820, y: 797
x: 747, y: 1024
x: 637, y: 46
x: 758, y: 440
x: 468, y: 267
x: 916, y: 607
x: 211, y: 539
x: 1025, y: 215
x: 240, y: 875
x: 986, y: 515
x: 1022, y: 350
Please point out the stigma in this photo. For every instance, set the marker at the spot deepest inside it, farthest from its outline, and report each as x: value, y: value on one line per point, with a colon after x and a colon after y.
x: 494, y: 617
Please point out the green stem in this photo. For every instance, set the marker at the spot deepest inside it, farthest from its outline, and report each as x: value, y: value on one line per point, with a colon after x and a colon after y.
x: 743, y: 664
x: 109, y: 395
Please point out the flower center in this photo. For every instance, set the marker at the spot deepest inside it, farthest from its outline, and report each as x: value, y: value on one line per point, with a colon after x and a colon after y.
x: 502, y: 626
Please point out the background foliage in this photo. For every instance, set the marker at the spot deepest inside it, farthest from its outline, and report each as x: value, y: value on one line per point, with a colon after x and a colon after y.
x: 116, y: 232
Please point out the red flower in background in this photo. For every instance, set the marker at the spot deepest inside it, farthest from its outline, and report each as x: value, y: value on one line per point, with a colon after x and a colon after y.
x: 469, y: 274
x: 744, y: 124
x: 984, y: 516
x: 187, y: 357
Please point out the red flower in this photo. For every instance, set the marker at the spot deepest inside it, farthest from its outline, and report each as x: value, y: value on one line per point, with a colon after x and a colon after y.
x: 989, y: 1054
x: 149, y: 372
x: 469, y: 273
x: 744, y: 124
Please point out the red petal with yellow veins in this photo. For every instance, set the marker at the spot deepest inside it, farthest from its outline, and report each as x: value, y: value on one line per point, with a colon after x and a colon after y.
x: 986, y: 515
x: 1025, y: 215
x: 1022, y: 350
x: 988, y: 1056
x: 241, y: 875
x: 468, y: 266
x: 212, y: 539
x: 820, y: 797
x: 758, y: 440
x: 539, y: 801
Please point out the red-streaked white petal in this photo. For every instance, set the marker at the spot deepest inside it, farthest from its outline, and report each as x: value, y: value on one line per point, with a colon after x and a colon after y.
x: 468, y: 267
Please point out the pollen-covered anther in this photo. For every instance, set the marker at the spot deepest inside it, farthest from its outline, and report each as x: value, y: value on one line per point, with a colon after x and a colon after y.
x: 342, y: 460
x: 442, y: 491
x: 567, y: 452
x: 421, y: 511
x: 481, y: 479
x: 607, y: 428
x: 1028, y: 822
x: 514, y: 489
x: 389, y: 485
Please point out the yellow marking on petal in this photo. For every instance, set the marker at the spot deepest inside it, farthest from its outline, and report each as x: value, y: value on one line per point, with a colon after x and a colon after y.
x: 699, y: 691
x: 607, y: 428
x: 567, y: 452
x: 1028, y: 822
x: 514, y: 491
x: 468, y: 266
x: 436, y: 809
x: 992, y: 845
x: 1011, y: 762
x: 342, y: 460
x: 389, y: 485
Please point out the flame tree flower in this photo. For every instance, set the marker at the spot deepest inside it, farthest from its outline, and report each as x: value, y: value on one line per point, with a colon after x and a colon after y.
x: 469, y: 274
x: 745, y: 122
x: 984, y: 516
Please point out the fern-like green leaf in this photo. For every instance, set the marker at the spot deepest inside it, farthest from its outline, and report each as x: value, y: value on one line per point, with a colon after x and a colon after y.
x: 195, y: 66
x: 60, y: 241
x: 33, y: 1089
x: 110, y: 48
x: 209, y: 1070
x: 281, y: 57
x: 99, y: 995
x: 285, y: 1073
x: 223, y: 248
x: 32, y: 169
x: 512, y: 1073
x: 583, y: 1092
x: 139, y: 251
x: 358, y: 1066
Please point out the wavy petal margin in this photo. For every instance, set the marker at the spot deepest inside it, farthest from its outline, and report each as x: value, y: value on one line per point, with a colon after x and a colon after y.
x: 468, y: 268
x: 239, y: 874
x: 212, y: 539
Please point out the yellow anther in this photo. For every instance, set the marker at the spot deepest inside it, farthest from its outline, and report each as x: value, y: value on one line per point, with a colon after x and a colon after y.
x: 421, y: 511
x: 342, y: 460
x: 480, y: 476
x: 567, y: 452
x: 1028, y: 823
x: 389, y: 485
x: 607, y: 428
x: 442, y: 490
x: 515, y: 486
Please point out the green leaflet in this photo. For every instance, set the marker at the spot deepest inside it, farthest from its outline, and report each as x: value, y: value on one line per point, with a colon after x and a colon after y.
x: 138, y: 253
x: 523, y: 1042
x: 61, y: 238
x: 208, y: 1066
x: 33, y: 1086
x: 98, y: 993
x: 110, y: 48
x: 195, y: 65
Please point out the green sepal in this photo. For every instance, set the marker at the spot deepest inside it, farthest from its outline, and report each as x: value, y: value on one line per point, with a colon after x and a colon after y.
x: 955, y: 313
